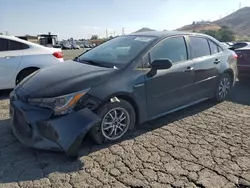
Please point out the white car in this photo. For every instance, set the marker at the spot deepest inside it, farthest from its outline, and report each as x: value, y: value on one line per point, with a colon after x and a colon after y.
x: 20, y: 58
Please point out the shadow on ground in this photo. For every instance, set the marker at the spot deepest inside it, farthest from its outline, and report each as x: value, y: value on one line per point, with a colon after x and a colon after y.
x: 15, y: 159
x: 240, y: 93
x: 4, y: 94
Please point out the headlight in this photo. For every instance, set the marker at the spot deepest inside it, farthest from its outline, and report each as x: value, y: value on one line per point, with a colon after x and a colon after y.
x: 61, y: 105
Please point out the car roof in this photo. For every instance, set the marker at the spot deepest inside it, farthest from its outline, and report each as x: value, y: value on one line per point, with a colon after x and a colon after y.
x: 161, y: 34
x: 247, y: 47
x: 31, y: 44
x: 21, y: 40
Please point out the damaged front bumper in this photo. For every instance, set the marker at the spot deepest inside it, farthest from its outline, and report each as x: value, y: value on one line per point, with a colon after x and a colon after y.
x: 37, y: 128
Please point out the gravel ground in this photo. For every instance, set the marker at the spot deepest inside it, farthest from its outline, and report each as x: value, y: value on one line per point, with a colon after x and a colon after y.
x: 70, y: 54
x: 207, y: 145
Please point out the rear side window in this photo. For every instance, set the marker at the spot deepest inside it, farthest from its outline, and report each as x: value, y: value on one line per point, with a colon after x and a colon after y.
x: 214, y: 47
x: 199, y: 46
x: 14, y: 45
x: 220, y: 49
x: 4, y: 45
x: 171, y: 48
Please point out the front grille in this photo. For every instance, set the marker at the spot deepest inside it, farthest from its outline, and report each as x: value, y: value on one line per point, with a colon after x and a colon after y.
x: 21, y: 125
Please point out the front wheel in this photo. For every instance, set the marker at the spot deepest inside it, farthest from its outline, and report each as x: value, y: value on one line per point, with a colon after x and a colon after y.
x: 223, y: 88
x: 117, y: 119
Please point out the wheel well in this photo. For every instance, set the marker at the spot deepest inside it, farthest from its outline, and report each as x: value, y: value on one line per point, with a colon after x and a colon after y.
x: 230, y: 72
x: 131, y: 101
x: 26, y: 69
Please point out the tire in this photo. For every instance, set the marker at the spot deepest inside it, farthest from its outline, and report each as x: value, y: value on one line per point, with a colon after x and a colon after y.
x: 223, y: 87
x: 100, y: 132
x: 24, y: 74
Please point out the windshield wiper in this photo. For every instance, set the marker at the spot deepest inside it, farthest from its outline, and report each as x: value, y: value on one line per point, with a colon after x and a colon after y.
x: 90, y: 62
x: 76, y: 59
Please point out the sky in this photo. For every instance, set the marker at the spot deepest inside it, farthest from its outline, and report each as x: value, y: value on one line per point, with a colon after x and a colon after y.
x: 84, y: 18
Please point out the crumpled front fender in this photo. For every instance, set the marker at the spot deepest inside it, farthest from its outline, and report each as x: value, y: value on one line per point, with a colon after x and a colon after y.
x: 68, y: 131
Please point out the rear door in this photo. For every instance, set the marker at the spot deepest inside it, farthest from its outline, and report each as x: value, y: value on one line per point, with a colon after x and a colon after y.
x: 207, y: 57
x: 10, y: 58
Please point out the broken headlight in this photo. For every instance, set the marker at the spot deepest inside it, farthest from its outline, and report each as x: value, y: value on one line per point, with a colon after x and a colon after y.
x: 60, y: 105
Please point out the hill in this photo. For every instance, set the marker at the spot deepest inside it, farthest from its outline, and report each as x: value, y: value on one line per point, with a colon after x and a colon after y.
x: 144, y: 29
x: 199, y: 26
x: 238, y: 22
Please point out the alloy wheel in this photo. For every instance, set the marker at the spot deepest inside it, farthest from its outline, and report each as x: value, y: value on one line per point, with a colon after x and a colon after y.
x: 115, y: 123
x: 224, y: 87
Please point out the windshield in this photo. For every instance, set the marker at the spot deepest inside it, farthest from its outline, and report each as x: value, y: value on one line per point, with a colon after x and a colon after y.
x: 118, y: 51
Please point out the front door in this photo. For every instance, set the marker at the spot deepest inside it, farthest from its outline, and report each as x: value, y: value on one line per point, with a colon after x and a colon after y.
x: 9, y: 62
x: 171, y: 88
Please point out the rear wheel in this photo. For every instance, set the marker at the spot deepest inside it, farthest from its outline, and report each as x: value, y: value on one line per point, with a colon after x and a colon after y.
x: 24, y: 73
x: 223, y: 88
x: 117, y: 119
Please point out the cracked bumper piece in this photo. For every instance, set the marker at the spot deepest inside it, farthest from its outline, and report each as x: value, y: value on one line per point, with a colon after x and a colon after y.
x: 36, y: 127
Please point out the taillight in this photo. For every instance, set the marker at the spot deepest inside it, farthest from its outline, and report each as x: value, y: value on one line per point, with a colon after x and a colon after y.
x: 235, y: 56
x: 58, y: 54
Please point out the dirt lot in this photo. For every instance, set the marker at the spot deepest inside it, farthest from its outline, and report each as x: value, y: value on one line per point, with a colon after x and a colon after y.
x: 207, y: 145
x: 70, y: 54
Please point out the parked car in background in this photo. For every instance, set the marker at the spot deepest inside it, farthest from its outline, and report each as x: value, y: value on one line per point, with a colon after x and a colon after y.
x: 225, y: 44
x: 57, y: 46
x: 229, y: 43
x: 19, y: 58
x: 237, y: 45
x: 125, y: 81
x: 65, y: 46
x: 86, y: 45
x: 75, y: 46
x: 243, y: 62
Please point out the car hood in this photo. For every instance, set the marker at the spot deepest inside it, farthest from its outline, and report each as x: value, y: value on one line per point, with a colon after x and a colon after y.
x: 65, y: 78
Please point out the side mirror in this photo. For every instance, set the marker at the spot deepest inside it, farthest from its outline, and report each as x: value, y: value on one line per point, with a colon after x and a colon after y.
x: 160, y: 64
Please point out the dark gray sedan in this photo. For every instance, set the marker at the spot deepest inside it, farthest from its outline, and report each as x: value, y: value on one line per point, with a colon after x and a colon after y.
x: 123, y: 82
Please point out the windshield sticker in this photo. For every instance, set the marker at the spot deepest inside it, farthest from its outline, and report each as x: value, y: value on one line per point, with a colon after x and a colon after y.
x: 143, y: 39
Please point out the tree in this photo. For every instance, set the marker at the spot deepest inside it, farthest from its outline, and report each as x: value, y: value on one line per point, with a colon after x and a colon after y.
x: 193, y: 23
x: 223, y: 35
x: 226, y: 35
x: 111, y: 37
x: 94, y: 37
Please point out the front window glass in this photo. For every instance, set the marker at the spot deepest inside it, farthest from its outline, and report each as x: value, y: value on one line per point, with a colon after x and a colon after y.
x: 117, y: 52
x: 172, y: 48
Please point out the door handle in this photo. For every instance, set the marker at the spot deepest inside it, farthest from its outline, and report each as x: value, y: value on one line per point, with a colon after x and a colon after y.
x: 189, y: 69
x: 216, y: 61
x: 8, y: 57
